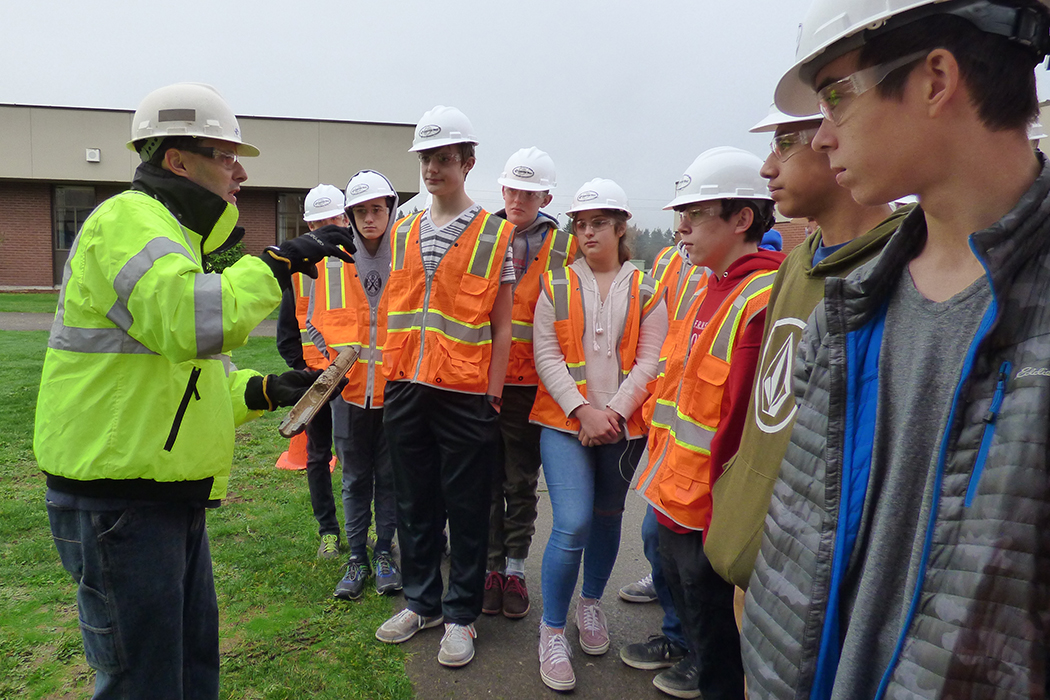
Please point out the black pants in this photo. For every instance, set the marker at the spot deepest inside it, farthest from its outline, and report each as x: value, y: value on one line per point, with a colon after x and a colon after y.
x: 442, y: 445
x: 704, y: 602
x: 512, y: 521
x: 367, y: 475
x: 319, y: 471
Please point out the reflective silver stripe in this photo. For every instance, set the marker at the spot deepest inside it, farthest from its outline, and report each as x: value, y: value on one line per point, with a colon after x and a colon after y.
x: 437, y: 323
x: 578, y: 372
x: 120, y: 316
x: 95, y: 340
x: 691, y: 283
x: 521, y: 332
x: 646, y: 290
x: 317, y: 338
x: 690, y: 435
x: 663, y: 414
x: 662, y: 262
x: 401, y: 241
x: 560, y: 289
x: 207, y: 314
x: 723, y: 342
x: 661, y: 367
x: 142, y: 261
x: 481, y: 258
x: 304, y: 337
x: 560, y: 242
x: 334, y: 272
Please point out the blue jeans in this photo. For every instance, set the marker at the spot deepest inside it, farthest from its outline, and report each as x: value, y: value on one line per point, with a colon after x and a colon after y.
x: 587, y: 486
x: 672, y: 626
x: 146, y: 597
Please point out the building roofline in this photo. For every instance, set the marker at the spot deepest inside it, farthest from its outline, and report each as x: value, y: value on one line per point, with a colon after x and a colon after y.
x: 239, y: 116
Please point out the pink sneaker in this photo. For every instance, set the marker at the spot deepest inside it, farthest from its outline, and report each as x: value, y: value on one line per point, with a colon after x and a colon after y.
x: 555, y: 660
x: 594, y: 630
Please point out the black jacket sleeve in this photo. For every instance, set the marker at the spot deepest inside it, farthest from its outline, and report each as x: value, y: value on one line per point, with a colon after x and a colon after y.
x: 289, y: 340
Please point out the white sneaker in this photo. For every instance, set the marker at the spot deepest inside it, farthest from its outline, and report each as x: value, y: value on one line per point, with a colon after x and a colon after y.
x: 457, y: 646
x: 404, y: 625
x: 555, y: 660
x: 594, y: 630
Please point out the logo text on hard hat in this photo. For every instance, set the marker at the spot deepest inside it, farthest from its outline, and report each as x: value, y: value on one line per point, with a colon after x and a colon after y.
x: 683, y: 183
x: 523, y: 171
x: 429, y: 130
x: 586, y: 196
x: 358, y: 189
x: 322, y: 202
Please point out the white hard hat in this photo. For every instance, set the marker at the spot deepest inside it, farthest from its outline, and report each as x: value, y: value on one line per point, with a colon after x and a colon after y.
x: 1036, y: 132
x: 323, y: 202
x: 442, y: 126
x: 776, y: 119
x: 367, y: 185
x: 600, y: 193
x: 721, y: 173
x: 187, y: 109
x: 832, y: 28
x: 529, y: 169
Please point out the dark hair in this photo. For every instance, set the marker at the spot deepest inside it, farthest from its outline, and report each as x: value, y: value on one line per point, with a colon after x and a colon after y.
x: 466, y: 150
x: 167, y: 142
x: 761, y: 222
x: 999, y: 74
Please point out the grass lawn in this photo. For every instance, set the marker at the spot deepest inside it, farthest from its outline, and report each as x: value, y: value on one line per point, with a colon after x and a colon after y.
x: 282, y: 634
x: 30, y: 302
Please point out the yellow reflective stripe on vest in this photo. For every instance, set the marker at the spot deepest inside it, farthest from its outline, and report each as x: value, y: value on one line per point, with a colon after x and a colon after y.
x: 722, y: 347
x: 400, y: 247
x: 334, y: 272
x: 560, y: 289
x: 471, y: 334
x: 692, y: 435
x: 662, y: 263
x: 559, y: 248
x: 521, y: 331
x: 578, y: 372
x: 663, y: 414
x: 485, y: 248
x: 692, y: 282
x: 304, y: 337
x: 647, y: 290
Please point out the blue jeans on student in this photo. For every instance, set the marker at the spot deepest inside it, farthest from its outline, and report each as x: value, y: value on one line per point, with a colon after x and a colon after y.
x: 146, y: 597
x: 587, y: 488
x: 672, y: 626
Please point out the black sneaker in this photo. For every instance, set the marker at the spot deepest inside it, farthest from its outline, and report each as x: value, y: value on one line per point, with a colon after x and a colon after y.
x: 353, y: 583
x: 658, y: 652
x: 681, y: 680
x: 388, y: 576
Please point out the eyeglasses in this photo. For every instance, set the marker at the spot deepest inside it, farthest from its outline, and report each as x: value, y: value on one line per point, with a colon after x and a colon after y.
x: 786, y: 145
x: 698, y: 215
x: 594, y: 225
x: 442, y: 159
x: 524, y: 195
x: 835, y: 99
x: 226, y: 158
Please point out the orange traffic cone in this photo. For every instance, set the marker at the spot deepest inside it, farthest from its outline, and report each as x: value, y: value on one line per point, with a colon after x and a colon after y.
x: 294, y: 458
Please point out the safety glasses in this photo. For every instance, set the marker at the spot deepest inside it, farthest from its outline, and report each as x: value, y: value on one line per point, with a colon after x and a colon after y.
x: 835, y: 99
x: 786, y: 145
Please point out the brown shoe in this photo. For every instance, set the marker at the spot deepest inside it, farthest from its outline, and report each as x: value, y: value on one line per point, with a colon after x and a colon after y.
x: 492, y: 600
x: 515, y: 597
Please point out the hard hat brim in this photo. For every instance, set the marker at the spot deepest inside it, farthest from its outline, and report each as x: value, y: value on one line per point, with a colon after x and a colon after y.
x: 696, y: 198
x: 439, y: 143
x: 793, y: 97
x: 773, y: 122
x: 590, y: 206
x: 320, y: 216
x: 245, y: 150
x: 519, y: 185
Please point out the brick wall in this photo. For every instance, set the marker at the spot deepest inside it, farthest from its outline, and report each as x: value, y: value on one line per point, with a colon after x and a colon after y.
x: 793, y: 232
x: 258, y: 216
x: 25, y: 234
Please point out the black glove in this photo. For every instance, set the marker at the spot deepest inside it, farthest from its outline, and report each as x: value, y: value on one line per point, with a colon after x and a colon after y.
x: 269, y: 392
x: 303, y: 253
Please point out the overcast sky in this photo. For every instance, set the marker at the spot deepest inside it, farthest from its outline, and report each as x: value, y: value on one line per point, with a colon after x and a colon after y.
x: 632, y: 91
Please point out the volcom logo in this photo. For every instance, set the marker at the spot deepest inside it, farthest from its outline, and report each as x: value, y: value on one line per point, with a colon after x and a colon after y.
x: 775, y: 404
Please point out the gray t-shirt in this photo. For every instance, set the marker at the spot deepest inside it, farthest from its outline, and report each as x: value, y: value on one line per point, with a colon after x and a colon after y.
x: 920, y: 364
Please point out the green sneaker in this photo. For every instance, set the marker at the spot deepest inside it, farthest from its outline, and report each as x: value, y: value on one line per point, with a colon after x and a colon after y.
x: 329, y: 548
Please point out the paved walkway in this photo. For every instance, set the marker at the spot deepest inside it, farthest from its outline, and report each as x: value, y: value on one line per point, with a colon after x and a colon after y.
x: 10, y: 321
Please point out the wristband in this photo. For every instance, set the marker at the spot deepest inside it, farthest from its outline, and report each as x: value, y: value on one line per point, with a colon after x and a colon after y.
x: 495, y: 400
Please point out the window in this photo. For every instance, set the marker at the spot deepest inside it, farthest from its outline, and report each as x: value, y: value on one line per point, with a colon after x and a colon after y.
x: 72, y: 207
x: 290, y: 216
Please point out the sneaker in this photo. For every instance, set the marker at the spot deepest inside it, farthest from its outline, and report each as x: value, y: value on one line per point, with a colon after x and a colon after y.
x: 329, y: 548
x: 658, y: 652
x: 457, y: 646
x: 492, y: 599
x: 555, y: 660
x: 353, y: 583
x: 388, y: 576
x: 594, y: 630
x: 515, y: 597
x: 404, y: 625
x: 642, y: 591
x: 681, y: 680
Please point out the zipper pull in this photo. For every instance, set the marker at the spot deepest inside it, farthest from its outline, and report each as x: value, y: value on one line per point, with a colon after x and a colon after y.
x: 1000, y: 392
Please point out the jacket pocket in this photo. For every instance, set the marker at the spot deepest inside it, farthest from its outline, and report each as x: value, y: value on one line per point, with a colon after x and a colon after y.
x: 191, y: 391
x: 471, y: 298
x: 990, y: 420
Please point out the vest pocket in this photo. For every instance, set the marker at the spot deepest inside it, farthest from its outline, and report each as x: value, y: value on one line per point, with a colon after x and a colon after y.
x: 471, y: 298
x: 705, y: 402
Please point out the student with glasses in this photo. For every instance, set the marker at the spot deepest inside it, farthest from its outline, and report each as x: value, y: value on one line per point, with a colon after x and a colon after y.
x: 905, y: 549
x: 598, y: 330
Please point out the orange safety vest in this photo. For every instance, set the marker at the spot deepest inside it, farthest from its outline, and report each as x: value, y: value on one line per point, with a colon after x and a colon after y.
x: 562, y: 287
x: 558, y: 250
x: 438, y: 330
x: 677, y: 480
x: 340, y: 317
x: 679, y: 280
x: 302, y: 287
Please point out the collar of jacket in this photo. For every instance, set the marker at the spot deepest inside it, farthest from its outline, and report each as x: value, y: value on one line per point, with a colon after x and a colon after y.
x: 1004, y: 247
x: 201, y: 211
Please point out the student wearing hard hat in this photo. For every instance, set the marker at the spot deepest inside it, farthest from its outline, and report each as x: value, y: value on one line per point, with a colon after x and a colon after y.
x: 323, y: 206
x: 138, y: 399
x: 598, y: 329
x: 537, y: 246
x: 450, y: 300
x: 699, y: 409
x: 905, y: 548
x: 802, y: 184
x: 347, y: 312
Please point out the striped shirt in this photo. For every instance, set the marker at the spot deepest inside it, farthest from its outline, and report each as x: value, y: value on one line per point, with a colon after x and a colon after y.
x: 434, y: 242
